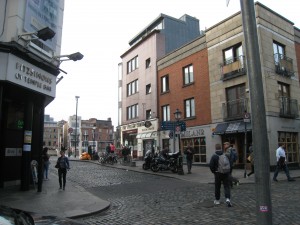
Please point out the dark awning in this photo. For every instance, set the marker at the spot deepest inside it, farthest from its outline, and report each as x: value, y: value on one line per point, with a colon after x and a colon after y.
x: 220, y: 128
x: 232, y: 127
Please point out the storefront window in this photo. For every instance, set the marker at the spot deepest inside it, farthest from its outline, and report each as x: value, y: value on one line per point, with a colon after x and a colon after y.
x: 199, y: 145
x: 290, y: 141
x: 15, y: 116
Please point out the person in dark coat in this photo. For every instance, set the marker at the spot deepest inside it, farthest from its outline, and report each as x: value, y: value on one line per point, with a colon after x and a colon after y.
x: 189, y: 152
x: 219, y: 177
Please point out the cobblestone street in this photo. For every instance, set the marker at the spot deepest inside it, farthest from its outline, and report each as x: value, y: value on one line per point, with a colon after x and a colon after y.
x: 139, y: 198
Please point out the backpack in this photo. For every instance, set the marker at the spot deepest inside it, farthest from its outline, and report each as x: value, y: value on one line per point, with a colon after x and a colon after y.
x: 223, y: 164
x: 233, y: 155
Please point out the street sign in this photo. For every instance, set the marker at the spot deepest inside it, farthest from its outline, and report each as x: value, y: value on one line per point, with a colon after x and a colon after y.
x: 70, y: 130
x: 247, y: 117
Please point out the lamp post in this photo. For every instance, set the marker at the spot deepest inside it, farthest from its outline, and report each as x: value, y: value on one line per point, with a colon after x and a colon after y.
x: 76, y: 97
x: 177, y: 130
x: 94, y: 146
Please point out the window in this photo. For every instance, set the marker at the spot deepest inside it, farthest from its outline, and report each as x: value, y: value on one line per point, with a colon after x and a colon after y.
x: 236, y: 102
x: 199, y: 145
x: 291, y: 145
x: 166, y: 113
x: 133, y: 64
x: 132, y: 112
x: 148, y: 114
x: 148, y: 63
x: 283, y: 90
x: 189, y: 105
x: 233, y: 54
x: 148, y: 89
x: 165, y: 84
x: 188, y: 75
x: 279, y: 52
x: 132, y: 87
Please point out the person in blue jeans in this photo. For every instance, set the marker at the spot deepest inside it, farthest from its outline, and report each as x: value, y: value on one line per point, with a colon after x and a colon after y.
x: 281, y: 163
x: 46, y: 162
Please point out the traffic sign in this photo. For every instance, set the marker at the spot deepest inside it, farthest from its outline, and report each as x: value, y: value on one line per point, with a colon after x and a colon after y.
x: 247, y: 117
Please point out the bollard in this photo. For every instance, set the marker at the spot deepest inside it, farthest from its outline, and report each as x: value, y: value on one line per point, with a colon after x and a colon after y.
x: 180, y: 165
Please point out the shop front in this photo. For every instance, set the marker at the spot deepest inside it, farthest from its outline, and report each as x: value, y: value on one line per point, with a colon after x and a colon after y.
x: 27, y: 86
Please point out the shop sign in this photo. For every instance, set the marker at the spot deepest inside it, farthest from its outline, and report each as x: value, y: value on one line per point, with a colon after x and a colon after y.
x: 20, y: 72
x: 193, y: 133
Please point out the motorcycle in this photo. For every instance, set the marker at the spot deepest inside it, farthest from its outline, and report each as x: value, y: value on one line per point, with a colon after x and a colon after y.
x: 148, y: 160
x: 110, y: 158
x: 166, y: 162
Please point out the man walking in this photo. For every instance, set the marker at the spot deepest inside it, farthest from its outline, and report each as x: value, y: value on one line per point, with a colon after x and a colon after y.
x: 220, y: 167
x: 281, y: 163
x: 232, y: 155
x: 189, y: 152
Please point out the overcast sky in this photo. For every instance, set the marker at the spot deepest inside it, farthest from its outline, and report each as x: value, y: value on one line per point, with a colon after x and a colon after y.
x: 101, y: 30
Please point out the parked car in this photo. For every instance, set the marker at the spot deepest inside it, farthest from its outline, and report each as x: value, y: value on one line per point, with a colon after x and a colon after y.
x: 12, y: 216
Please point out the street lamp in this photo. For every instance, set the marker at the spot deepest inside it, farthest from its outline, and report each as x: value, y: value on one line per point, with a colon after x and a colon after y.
x: 44, y: 34
x: 94, y: 146
x: 177, y: 115
x: 76, y: 97
x: 177, y: 130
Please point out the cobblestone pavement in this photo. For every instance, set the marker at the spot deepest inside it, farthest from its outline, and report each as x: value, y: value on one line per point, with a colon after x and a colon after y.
x: 138, y: 198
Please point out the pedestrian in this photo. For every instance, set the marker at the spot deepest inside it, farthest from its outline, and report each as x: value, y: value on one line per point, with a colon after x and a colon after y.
x: 221, y: 172
x: 251, y: 159
x: 112, y: 148
x: 281, y: 163
x: 232, y: 155
x: 63, y: 165
x: 189, y: 152
x: 46, y: 162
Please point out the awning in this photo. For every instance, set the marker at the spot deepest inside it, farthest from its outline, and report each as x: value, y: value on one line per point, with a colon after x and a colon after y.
x: 232, y: 127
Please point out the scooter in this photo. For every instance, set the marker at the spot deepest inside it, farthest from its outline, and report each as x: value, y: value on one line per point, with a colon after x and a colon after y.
x: 148, y: 160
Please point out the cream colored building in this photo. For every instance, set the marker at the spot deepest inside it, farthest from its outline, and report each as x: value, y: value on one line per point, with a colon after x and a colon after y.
x: 277, y: 38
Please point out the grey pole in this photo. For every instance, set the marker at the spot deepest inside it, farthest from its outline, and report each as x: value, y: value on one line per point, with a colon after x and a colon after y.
x: 76, y: 125
x: 259, y: 128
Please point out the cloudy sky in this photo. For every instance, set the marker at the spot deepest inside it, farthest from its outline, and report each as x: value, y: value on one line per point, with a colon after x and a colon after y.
x: 101, y: 30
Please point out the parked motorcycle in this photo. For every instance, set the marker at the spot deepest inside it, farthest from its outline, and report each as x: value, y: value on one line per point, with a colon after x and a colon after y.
x: 110, y: 158
x: 166, y: 162
x: 149, y: 159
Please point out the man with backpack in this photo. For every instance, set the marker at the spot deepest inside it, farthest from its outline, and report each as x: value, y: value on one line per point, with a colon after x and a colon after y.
x: 220, y: 167
x: 232, y: 155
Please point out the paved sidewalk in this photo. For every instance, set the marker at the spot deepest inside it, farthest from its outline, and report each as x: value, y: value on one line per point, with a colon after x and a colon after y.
x: 75, y: 201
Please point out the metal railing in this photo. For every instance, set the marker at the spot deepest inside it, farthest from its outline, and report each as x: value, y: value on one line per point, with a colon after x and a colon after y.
x: 233, y: 68
x: 235, y: 109
x: 283, y: 65
x: 288, y: 107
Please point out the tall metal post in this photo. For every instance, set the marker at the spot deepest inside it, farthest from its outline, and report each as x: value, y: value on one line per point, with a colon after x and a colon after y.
x: 259, y: 128
x: 76, y: 124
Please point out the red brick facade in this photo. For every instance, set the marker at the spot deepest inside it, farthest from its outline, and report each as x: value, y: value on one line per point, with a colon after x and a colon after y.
x: 199, y: 89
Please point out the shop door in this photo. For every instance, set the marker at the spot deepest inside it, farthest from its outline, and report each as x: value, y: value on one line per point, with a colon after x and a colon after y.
x: 11, y: 141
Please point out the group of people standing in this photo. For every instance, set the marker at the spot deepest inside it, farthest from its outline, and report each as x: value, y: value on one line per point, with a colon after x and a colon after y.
x: 217, y: 168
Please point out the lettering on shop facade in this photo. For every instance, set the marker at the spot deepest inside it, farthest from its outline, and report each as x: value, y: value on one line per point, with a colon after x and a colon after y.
x: 193, y: 133
x: 32, y: 77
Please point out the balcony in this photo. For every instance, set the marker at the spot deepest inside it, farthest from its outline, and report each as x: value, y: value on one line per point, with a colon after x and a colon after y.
x: 283, y: 65
x: 288, y: 107
x: 233, y: 68
x: 235, y: 109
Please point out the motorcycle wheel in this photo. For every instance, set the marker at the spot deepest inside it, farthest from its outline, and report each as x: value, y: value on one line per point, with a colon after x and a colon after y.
x: 111, y: 161
x: 155, y: 168
x: 145, y: 167
x: 101, y: 160
x: 175, y: 169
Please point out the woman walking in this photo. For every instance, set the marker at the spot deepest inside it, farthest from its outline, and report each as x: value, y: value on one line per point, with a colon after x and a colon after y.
x: 63, y: 165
